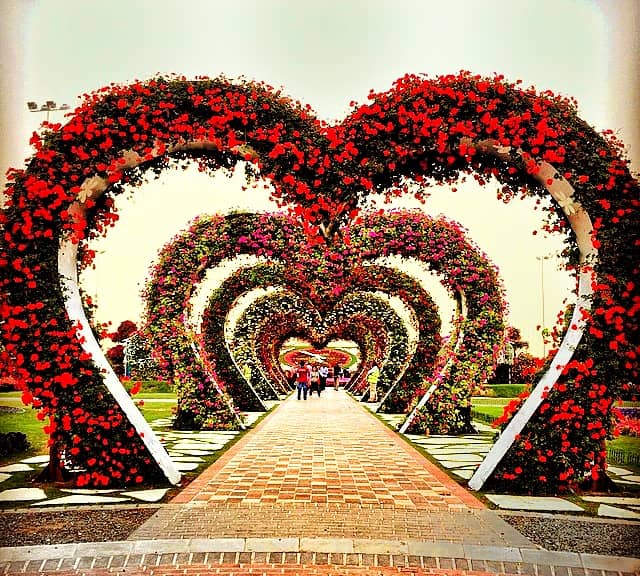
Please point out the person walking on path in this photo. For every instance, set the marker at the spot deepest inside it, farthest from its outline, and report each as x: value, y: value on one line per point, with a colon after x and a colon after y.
x: 302, y: 380
x: 315, y: 381
x: 372, y: 379
x: 336, y: 376
x: 323, y: 373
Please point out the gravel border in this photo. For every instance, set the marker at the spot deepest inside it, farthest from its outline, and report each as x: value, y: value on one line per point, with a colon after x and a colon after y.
x: 106, y: 524
x: 578, y: 534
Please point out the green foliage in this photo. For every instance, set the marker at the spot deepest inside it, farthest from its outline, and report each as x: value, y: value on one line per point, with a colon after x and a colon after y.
x: 506, y: 390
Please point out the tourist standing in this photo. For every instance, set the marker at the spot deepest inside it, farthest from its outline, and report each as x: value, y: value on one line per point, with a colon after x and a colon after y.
x: 323, y: 372
x: 315, y: 381
x: 372, y: 379
x: 302, y: 380
x: 336, y: 376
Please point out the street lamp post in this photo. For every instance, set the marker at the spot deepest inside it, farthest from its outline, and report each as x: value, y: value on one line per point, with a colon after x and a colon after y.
x: 48, y: 107
x: 542, y: 330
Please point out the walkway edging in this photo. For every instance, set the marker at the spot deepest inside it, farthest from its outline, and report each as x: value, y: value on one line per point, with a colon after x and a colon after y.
x: 494, y: 559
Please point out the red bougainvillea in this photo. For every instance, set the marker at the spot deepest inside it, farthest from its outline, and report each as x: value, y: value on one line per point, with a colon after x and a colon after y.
x: 422, y: 130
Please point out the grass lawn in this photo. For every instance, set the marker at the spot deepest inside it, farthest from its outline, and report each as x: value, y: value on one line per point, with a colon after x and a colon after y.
x: 26, y: 421
x: 628, y: 445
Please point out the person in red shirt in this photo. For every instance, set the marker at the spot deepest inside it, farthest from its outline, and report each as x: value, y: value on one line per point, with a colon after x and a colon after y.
x: 302, y: 380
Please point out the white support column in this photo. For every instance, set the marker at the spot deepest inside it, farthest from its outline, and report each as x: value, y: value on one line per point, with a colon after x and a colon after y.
x: 461, y: 312
x: 68, y: 270
x: 580, y: 222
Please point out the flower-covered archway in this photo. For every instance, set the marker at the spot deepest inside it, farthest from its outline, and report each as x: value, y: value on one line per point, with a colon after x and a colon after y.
x: 422, y: 130
x: 265, y: 275
x: 324, y: 273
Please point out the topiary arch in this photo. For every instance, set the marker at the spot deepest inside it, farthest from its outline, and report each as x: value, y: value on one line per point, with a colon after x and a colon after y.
x: 440, y: 244
x: 425, y: 130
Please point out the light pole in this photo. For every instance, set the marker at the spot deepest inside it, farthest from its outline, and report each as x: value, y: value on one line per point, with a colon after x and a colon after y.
x: 48, y: 107
x: 542, y: 330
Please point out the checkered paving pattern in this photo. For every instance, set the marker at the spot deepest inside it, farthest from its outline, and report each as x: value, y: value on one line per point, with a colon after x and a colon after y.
x: 327, y: 451
x: 326, y: 467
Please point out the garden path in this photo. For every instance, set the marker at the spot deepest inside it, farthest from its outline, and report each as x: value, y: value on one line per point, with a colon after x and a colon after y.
x: 326, y: 467
x: 319, y: 487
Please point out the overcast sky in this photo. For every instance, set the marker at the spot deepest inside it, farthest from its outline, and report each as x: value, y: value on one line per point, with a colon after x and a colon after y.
x: 325, y: 53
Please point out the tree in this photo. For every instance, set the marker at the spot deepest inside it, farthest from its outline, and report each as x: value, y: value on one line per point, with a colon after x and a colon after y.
x: 124, y: 331
x: 115, y: 355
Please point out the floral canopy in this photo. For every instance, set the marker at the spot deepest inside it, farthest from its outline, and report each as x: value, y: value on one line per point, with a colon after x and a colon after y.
x: 421, y: 131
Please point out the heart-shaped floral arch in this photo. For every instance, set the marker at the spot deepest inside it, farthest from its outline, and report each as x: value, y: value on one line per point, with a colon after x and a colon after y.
x: 424, y: 130
x: 370, y: 278
x: 323, y: 273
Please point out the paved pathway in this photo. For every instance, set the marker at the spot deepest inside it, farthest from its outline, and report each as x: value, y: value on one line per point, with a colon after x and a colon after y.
x: 319, y: 487
x: 325, y: 467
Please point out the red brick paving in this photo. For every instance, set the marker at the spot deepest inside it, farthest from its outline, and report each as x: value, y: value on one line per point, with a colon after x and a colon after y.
x: 269, y: 570
x: 326, y: 467
x: 326, y: 450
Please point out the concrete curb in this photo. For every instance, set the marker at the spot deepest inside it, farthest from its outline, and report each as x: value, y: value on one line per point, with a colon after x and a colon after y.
x: 343, y: 551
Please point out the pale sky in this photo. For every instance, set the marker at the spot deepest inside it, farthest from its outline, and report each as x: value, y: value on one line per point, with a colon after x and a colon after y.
x: 325, y: 53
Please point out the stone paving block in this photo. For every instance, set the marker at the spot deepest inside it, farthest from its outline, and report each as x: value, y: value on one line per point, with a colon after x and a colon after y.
x: 552, y: 558
x: 10, y: 468
x: 615, y: 512
x: 436, y: 549
x: 632, y: 478
x: 91, y: 491
x: 538, y: 503
x: 599, y: 562
x: 81, y: 499
x: 104, y: 548
x: 474, y: 551
x: 326, y: 545
x: 39, y: 552
x: 22, y: 495
x: 375, y: 546
x: 272, y: 544
x: 216, y: 545
x: 153, y: 495
x: 625, y: 501
x: 159, y: 546
x: 40, y: 459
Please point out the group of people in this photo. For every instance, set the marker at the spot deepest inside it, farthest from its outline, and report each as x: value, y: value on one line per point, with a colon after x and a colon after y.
x: 310, y: 378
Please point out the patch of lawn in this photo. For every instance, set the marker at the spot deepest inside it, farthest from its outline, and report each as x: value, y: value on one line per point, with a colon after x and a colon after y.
x: 158, y: 395
x: 491, y: 412
x: 154, y: 410
x: 489, y: 401
x: 26, y: 422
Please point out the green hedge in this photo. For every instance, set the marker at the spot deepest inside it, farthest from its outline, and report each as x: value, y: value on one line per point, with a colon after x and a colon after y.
x: 505, y: 390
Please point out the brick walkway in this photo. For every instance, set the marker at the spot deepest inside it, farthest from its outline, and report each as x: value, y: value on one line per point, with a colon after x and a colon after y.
x: 319, y: 487
x: 325, y: 467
